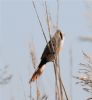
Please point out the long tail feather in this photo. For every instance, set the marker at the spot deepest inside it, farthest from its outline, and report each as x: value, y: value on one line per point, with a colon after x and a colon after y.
x: 37, y: 73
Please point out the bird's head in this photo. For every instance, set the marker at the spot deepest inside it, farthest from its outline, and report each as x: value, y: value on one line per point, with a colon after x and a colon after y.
x: 58, y: 32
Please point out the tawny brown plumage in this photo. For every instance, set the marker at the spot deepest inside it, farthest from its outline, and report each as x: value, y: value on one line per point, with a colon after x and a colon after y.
x: 50, y: 53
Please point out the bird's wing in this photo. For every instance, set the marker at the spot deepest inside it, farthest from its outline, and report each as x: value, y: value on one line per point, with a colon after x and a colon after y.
x: 49, y: 50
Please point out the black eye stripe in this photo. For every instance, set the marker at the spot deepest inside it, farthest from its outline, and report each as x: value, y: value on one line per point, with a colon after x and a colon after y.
x: 61, y: 35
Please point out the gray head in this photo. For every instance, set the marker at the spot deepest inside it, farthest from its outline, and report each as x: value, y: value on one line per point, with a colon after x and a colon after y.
x: 58, y: 32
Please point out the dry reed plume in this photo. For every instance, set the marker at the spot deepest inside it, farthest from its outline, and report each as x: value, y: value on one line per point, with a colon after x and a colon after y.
x: 85, y: 75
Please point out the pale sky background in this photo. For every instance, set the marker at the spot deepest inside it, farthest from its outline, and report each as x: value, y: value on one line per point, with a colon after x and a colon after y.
x: 19, y: 25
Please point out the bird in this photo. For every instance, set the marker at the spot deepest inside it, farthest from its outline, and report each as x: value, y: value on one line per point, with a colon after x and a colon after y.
x: 50, y: 53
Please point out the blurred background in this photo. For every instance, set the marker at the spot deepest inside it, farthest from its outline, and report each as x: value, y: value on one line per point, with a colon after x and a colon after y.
x: 20, y: 33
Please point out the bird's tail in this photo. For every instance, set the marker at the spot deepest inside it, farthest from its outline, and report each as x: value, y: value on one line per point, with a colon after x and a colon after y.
x: 37, y: 73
